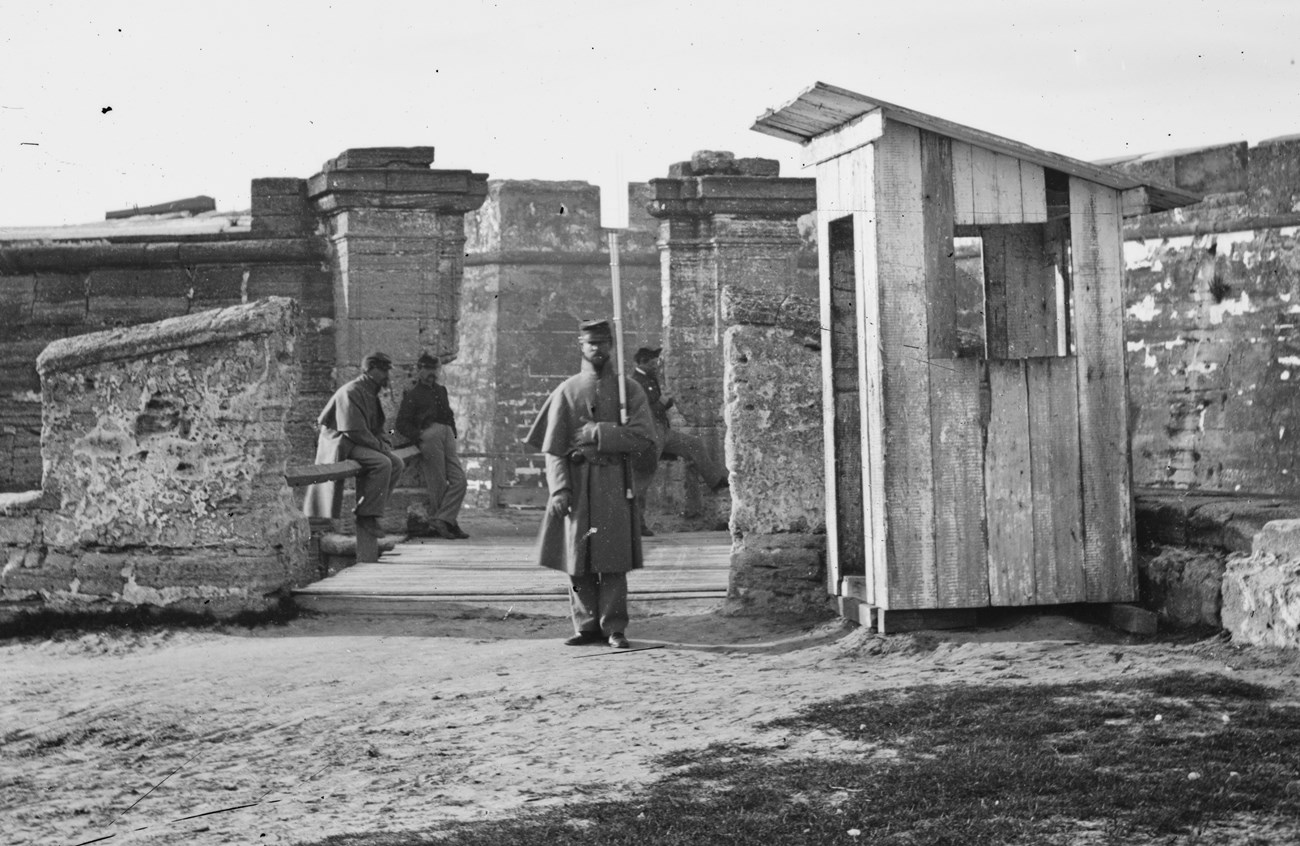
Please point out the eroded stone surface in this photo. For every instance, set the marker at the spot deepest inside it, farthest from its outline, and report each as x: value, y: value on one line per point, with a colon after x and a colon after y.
x: 164, y: 451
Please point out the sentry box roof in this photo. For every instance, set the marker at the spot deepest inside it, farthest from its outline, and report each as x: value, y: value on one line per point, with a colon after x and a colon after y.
x: 829, y: 121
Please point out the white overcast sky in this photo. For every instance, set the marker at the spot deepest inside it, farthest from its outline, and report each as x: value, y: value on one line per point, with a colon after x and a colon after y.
x: 106, y: 105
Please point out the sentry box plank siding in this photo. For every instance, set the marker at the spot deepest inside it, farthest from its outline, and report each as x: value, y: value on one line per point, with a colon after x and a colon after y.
x: 973, y: 460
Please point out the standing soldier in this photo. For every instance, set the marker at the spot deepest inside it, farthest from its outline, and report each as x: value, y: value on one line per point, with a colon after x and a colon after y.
x: 426, y: 419
x: 591, y: 528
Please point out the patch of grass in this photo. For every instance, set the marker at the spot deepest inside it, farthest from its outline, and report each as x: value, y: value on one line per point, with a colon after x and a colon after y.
x: 1129, y: 761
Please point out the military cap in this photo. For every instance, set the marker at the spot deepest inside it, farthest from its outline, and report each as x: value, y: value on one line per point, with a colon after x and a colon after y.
x: 646, y: 354
x: 595, y: 329
x: 380, y: 360
x: 426, y: 361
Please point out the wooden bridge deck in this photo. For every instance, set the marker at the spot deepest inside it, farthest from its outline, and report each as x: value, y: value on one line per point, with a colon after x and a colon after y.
x: 493, y: 569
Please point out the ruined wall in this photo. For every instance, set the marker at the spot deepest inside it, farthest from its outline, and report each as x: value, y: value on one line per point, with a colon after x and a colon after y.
x: 725, y: 223
x: 537, y: 263
x: 773, y: 415
x: 164, y: 447
x: 63, y: 282
x: 1213, y: 306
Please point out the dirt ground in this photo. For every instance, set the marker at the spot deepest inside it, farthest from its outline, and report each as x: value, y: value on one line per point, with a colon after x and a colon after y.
x: 287, y: 733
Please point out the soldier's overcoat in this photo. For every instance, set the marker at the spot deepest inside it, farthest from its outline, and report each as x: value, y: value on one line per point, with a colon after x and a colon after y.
x: 602, y: 534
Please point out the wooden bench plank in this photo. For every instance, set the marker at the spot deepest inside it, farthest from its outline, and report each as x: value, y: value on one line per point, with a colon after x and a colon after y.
x: 301, y: 475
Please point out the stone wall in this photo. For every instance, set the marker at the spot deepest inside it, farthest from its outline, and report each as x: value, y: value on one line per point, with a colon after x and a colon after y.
x: 164, y: 448
x: 1213, y: 323
x: 726, y: 223
x: 537, y: 263
x: 773, y: 415
x: 1261, y: 591
x: 61, y: 282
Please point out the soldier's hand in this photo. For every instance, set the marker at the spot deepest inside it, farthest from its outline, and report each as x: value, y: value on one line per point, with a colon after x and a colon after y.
x: 587, y: 433
x: 561, y: 504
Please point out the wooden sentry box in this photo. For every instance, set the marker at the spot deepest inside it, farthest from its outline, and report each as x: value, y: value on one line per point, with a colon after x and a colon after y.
x: 974, y: 390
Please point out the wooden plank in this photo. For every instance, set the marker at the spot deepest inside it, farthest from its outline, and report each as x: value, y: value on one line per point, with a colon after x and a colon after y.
x: 842, y: 430
x: 961, y: 551
x: 858, y: 132
x: 1008, y: 491
x: 984, y: 186
x: 897, y: 622
x: 1020, y: 292
x: 963, y: 190
x: 854, y: 587
x: 1033, y: 193
x: 1031, y: 293
x: 299, y: 475
x: 827, y: 175
x: 858, y: 612
x: 1008, y: 187
x: 1098, y: 331
x: 1054, y: 459
x: 997, y: 335
x: 861, y: 182
x: 940, y: 265
x: 909, y: 488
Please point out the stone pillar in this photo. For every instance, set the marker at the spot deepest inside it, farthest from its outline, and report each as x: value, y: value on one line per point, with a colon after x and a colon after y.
x: 724, y: 223
x: 397, y: 231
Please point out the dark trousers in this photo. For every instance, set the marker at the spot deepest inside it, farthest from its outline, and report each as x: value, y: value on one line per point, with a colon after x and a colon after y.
x: 380, y: 472
x: 599, y: 602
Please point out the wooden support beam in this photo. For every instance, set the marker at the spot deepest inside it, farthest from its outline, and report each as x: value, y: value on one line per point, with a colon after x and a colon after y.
x: 897, y: 622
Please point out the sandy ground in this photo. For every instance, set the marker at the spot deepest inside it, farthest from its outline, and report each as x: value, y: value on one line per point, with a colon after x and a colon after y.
x: 328, y: 725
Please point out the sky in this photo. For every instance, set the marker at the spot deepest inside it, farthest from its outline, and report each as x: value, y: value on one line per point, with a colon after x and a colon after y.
x: 107, y: 105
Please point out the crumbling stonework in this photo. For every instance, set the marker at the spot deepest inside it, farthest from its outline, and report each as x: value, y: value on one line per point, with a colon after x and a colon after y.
x: 725, y: 223
x: 164, y: 448
x: 1183, y: 586
x: 1213, y: 310
x: 61, y: 282
x: 1261, y: 591
x: 774, y: 450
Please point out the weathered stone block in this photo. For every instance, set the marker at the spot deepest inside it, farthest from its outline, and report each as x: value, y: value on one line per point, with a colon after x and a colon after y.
x: 774, y: 431
x: 382, y: 157
x: 1261, y: 600
x: 19, y: 530
x: 171, y: 436
x: 1274, y: 179
x: 1280, y: 538
x: 1184, y: 586
x: 779, y: 573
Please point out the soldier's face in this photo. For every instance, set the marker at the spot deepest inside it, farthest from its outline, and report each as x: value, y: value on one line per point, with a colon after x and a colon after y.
x: 428, y: 375
x: 596, y: 351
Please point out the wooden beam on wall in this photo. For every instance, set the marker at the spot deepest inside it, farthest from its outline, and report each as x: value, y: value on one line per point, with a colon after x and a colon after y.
x: 909, y: 472
x: 1009, y: 487
x: 1097, y: 279
x: 956, y: 434
x: 827, y: 194
x: 862, y: 182
x: 1057, y: 489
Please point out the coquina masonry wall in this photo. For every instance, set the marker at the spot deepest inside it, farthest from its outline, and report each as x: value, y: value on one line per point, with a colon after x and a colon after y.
x: 88, y: 281
x: 1213, y: 323
x: 537, y: 263
x: 164, y: 447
